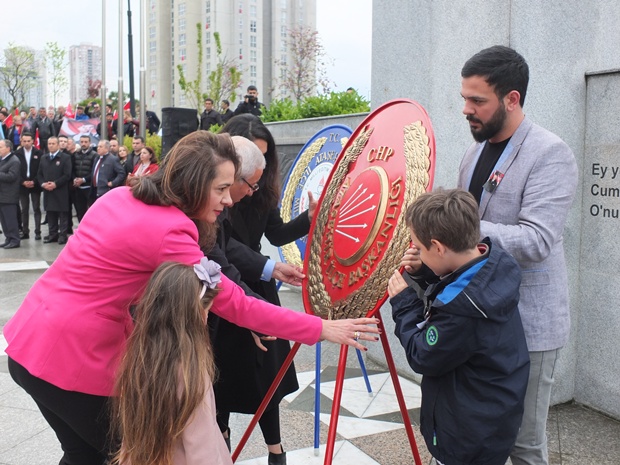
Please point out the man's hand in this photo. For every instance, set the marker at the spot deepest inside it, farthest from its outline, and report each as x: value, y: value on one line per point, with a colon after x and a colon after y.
x: 288, y: 273
x: 28, y: 184
x: 77, y: 182
x: 411, y: 260
x: 312, y: 203
x: 258, y: 341
x: 396, y: 284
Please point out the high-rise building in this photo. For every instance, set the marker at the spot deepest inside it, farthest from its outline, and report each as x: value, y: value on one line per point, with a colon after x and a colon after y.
x: 85, y: 68
x: 253, y: 35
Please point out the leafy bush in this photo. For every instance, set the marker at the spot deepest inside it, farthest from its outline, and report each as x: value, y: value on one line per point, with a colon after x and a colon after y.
x: 334, y: 103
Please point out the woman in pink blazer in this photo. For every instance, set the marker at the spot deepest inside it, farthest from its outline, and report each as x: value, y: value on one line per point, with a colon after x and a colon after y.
x: 66, y: 339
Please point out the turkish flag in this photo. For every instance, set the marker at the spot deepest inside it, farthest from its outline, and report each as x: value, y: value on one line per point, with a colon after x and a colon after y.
x: 69, y: 111
x: 8, y: 122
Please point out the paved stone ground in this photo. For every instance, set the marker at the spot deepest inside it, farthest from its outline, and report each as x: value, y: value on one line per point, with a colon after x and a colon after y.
x: 370, y: 429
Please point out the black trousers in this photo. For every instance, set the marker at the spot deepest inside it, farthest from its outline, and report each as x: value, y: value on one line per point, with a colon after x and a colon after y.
x: 24, y: 200
x: 81, y: 201
x: 9, y: 223
x: 53, y: 223
x: 269, y: 425
x: 81, y: 421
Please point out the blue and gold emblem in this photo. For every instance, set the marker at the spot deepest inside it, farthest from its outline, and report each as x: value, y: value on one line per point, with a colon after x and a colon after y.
x: 309, y: 172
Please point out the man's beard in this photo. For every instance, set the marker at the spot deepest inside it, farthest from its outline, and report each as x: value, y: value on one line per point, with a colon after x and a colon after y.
x: 489, y: 129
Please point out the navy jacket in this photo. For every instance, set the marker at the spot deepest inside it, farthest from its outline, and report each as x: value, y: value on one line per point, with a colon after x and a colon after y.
x: 464, y: 334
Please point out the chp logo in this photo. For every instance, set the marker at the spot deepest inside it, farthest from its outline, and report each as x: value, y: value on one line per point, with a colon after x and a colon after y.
x: 358, y: 235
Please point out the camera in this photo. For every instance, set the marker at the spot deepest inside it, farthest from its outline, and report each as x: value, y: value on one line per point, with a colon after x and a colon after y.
x: 250, y: 98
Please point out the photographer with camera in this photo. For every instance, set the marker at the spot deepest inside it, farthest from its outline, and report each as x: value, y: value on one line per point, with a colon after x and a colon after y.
x: 250, y: 103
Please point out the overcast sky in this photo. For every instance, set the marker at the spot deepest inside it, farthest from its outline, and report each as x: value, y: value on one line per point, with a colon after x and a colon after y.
x: 344, y: 30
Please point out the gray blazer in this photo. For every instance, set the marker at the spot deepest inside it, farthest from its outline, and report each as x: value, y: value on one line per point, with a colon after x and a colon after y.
x: 525, y: 215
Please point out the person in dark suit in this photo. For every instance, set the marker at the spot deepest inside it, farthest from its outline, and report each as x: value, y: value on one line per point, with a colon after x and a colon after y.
x: 107, y: 172
x: 226, y: 113
x: 152, y: 122
x: 45, y: 126
x: 249, y: 363
x: 209, y: 117
x: 9, y: 194
x: 29, y: 190
x: 250, y: 103
x: 54, y: 176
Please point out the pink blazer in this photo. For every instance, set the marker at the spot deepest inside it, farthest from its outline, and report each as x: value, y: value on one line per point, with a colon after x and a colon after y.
x: 72, y: 326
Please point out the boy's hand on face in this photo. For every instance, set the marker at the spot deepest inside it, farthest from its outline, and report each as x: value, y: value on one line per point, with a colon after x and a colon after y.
x: 411, y: 260
x: 396, y: 284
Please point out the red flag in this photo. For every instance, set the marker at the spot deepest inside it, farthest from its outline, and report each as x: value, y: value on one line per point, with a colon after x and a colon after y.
x: 115, y: 115
x: 9, y: 121
x: 127, y: 105
x: 36, y: 139
x: 69, y: 111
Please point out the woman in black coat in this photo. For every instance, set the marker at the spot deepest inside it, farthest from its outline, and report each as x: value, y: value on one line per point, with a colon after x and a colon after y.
x: 245, y: 370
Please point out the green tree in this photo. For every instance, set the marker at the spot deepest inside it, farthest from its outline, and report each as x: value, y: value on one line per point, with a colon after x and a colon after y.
x: 56, y: 63
x: 17, y: 72
x: 113, y: 99
x: 192, y: 89
x: 225, y: 79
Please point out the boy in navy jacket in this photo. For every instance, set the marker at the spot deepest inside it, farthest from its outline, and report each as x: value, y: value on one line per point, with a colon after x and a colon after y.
x: 460, y: 327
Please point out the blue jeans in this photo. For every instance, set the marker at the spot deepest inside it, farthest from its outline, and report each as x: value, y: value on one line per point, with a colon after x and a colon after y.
x: 531, y: 445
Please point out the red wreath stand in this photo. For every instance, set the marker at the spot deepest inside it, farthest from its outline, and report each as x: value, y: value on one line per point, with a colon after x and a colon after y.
x: 358, y: 236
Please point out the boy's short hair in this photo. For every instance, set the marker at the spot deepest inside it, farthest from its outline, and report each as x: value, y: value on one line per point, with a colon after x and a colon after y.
x: 448, y: 216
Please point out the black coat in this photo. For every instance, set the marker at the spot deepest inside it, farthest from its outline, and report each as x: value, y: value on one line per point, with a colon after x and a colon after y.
x: 246, y: 372
x: 209, y: 119
x: 152, y: 122
x: 57, y: 170
x: 9, y: 180
x: 35, y: 159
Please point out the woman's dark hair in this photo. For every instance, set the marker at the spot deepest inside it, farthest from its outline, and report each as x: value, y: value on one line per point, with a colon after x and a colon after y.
x: 251, y: 127
x: 185, y: 176
x: 153, y: 158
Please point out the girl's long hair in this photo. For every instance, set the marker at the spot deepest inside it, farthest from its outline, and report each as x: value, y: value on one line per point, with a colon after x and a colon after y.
x: 162, y: 377
x: 185, y: 176
x: 251, y: 127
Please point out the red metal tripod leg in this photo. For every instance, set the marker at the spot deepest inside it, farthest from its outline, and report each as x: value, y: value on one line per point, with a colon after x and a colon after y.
x: 399, y: 392
x: 263, y: 406
x: 333, y: 422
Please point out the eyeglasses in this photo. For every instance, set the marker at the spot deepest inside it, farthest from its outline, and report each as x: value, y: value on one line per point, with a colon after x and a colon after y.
x: 254, y: 187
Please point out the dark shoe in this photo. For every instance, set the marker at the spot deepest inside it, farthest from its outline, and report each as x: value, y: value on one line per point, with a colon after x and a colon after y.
x: 62, y: 240
x: 277, y: 459
x: 44, y: 221
x: 24, y: 236
x: 11, y: 246
x: 37, y: 237
x: 4, y: 245
x: 48, y: 239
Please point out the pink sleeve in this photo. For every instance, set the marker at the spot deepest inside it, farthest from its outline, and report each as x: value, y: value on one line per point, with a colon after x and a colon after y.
x: 233, y: 305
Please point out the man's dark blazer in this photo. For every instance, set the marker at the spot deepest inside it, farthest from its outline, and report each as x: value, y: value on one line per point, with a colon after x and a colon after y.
x: 58, y: 171
x: 110, y: 170
x: 35, y: 160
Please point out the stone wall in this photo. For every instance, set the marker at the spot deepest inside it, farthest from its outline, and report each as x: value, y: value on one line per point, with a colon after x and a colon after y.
x: 418, y: 50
